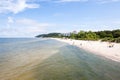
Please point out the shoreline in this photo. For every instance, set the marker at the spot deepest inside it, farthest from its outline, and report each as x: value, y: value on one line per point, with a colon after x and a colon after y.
x: 96, y: 47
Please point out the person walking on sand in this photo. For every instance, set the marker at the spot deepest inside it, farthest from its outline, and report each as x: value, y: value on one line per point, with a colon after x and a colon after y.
x: 80, y: 44
x: 73, y: 43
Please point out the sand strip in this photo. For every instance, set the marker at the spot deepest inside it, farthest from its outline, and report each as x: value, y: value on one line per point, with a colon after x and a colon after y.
x: 97, y: 47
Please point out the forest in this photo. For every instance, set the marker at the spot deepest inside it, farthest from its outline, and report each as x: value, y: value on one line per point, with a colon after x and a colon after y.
x: 106, y: 35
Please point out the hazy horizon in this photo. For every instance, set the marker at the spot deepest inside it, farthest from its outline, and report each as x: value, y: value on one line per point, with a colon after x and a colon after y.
x: 28, y: 18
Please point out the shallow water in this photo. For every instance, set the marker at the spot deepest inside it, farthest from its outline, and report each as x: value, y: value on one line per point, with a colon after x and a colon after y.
x: 47, y: 59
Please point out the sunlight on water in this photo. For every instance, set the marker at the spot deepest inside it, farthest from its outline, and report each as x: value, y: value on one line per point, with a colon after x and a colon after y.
x: 47, y: 59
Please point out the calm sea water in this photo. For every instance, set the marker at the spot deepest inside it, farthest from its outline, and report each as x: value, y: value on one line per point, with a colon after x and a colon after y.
x: 47, y: 59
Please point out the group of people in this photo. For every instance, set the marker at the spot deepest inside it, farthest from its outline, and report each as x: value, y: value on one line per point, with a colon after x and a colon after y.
x: 110, y: 45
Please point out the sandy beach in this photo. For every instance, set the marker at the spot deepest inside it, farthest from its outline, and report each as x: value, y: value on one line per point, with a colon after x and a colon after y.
x: 97, y: 47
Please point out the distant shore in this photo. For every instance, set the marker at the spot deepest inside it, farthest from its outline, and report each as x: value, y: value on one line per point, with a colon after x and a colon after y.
x: 97, y: 47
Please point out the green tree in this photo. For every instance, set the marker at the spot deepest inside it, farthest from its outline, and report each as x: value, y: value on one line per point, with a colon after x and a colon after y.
x: 116, y: 33
x: 82, y: 35
x: 73, y: 36
x: 102, y: 34
x: 91, y: 36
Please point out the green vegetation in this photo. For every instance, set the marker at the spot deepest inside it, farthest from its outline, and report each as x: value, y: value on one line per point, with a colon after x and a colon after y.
x: 107, y: 35
x: 51, y: 35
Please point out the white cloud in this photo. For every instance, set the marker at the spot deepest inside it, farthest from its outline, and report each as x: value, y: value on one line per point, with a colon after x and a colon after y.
x: 32, y: 25
x: 15, y: 6
x: 10, y: 20
x: 23, y: 28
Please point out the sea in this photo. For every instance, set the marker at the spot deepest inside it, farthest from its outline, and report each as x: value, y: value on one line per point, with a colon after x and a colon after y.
x: 49, y: 59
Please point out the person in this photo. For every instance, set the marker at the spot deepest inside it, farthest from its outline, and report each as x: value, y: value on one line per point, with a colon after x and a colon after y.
x: 110, y: 45
x: 73, y: 42
x: 80, y: 44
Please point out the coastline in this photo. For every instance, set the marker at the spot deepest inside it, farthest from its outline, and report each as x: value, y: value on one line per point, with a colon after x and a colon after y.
x: 96, y: 47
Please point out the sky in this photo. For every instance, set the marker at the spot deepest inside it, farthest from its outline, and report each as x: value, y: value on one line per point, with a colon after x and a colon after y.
x: 28, y: 18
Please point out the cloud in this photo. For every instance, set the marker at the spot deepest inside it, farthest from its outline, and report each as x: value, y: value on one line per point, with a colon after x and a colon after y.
x: 15, y: 6
x: 23, y: 28
x: 10, y: 20
x: 32, y: 25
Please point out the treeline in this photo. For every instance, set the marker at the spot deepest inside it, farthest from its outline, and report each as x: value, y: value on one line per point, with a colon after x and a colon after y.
x: 107, y: 35
x: 54, y: 35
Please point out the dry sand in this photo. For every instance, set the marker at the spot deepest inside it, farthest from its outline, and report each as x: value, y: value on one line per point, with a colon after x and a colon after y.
x: 97, y: 47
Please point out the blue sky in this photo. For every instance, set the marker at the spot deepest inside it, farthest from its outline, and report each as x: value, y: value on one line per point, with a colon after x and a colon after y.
x: 28, y: 18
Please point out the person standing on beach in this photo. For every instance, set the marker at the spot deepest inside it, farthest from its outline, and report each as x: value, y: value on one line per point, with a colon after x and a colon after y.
x: 73, y: 43
x: 80, y: 44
